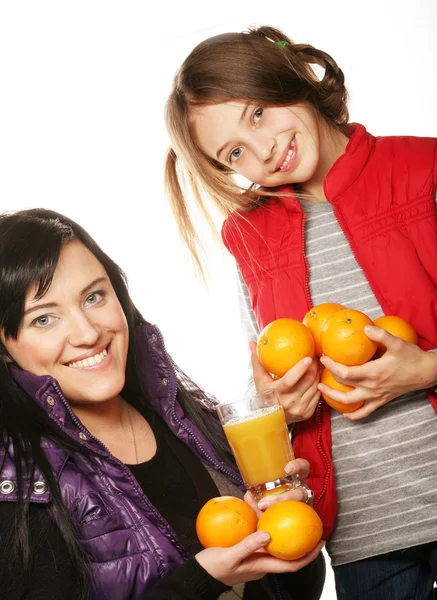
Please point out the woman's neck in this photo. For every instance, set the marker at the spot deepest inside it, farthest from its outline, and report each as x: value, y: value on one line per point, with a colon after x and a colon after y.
x: 123, y: 430
x: 102, y: 418
x: 332, y: 145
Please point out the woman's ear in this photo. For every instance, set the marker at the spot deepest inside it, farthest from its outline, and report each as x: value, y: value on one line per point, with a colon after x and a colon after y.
x: 3, y: 351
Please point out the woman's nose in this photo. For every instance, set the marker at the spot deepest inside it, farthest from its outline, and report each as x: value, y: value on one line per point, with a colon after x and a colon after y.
x: 83, y: 332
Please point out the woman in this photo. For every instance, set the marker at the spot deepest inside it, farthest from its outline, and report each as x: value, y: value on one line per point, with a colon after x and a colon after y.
x: 330, y: 214
x: 109, y: 452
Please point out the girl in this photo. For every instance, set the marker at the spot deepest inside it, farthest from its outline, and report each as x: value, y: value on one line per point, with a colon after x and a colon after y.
x: 330, y: 214
x: 108, y: 452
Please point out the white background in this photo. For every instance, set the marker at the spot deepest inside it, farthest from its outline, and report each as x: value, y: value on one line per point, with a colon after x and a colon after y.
x: 82, y: 91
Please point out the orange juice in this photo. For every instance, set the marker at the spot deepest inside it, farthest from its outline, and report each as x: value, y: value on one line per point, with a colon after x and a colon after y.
x: 260, y: 444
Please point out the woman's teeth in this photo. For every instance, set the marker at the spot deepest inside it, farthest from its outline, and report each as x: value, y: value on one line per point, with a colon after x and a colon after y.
x: 91, y: 360
x: 290, y: 155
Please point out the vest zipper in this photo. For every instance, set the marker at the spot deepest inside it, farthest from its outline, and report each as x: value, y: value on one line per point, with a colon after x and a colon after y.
x: 307, y: 273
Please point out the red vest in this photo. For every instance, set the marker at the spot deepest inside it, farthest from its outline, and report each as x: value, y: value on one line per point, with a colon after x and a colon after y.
x: 383, y: 194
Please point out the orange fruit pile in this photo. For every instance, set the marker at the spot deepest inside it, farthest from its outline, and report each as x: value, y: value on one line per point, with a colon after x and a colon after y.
x: 328, y: 329
x: 294, y: 527
x: 283, y: 343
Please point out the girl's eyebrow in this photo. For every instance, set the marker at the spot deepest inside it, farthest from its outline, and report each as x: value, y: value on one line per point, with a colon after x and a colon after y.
x: 243, y: 114
x: 54, y: 304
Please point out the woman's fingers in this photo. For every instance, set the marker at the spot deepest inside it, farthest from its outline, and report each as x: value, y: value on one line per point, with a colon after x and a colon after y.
x: 247, y: 546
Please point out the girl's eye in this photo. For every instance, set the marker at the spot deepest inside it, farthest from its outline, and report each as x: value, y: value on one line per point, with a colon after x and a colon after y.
x: 257, y: 115
x: 42, y: 321
x: 93, y: 298
x: 235, y: 154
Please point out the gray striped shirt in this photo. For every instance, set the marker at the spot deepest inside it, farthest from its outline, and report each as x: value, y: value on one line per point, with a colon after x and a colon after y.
x: 386, y: 464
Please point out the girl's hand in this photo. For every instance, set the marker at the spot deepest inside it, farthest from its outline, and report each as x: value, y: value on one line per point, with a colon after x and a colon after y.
x: 247, y: 560
x: 297, y: 389
x: 299, y: 467
x: 403, y: 368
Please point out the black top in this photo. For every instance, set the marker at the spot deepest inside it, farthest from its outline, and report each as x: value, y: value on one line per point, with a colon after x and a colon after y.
x: 178, y: 496
x: 176, y: 482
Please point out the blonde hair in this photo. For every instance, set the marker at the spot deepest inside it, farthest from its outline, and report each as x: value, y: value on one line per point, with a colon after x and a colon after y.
x: 260, y: 65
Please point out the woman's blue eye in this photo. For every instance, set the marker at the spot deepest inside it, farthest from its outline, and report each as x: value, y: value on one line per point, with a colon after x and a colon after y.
x: 42, y: 321
x: 93, y: 298
x: 235, y: 154
x: 258, y: 114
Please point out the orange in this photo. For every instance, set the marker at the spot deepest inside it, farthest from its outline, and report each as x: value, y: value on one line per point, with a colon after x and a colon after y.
x: 328, y: 379
x: 396, y: 326
x: 283, y: 343
x: 344, y: 340
x: 224, y: 521
x: 317, y: 317
x: 294, y: 527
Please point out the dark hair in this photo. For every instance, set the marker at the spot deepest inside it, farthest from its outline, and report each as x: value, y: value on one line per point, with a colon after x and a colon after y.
x: 260, y: 65
x: 30, y: 245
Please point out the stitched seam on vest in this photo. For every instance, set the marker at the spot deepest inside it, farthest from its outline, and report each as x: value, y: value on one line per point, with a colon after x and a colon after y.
x: 366, y: 221
x: 396, y: 225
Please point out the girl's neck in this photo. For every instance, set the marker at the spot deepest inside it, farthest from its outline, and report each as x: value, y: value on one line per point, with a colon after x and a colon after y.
x: 332, y: 145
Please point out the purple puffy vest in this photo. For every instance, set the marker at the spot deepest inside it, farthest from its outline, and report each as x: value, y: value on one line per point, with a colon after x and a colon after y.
x: 129, y: 543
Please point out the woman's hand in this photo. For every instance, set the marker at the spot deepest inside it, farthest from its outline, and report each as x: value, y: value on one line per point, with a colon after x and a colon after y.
x: 297, y: 389
x: 247, y: 560
x: 403, y: 368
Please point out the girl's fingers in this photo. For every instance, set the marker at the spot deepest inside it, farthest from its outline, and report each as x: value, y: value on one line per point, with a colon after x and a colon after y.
x: 298, y: 494
x: 298, y: 466
x: 294, y: 375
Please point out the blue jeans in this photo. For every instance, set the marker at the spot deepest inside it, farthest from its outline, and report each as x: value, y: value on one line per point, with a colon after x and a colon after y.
x: 402, y: 575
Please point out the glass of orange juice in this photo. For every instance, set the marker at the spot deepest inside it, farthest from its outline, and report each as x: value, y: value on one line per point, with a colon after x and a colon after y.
x: 257, y: 433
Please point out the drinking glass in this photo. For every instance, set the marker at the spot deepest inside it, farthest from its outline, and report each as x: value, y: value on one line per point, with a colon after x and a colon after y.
x: 257, y: 433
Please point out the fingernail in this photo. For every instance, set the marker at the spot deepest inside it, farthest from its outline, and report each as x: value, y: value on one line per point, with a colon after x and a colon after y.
x: 289, y: 469
x: 262, y: 504
x: 263, y: 537
x: 307, y: 360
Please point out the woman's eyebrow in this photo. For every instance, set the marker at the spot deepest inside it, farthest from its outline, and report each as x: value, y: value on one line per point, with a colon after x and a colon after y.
x: 54, y: 304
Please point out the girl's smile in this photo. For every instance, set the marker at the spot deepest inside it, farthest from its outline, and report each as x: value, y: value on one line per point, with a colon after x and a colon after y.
x: 269, y: 146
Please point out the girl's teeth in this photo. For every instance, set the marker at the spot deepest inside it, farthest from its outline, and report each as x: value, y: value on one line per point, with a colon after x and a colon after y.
x: 290, y: 153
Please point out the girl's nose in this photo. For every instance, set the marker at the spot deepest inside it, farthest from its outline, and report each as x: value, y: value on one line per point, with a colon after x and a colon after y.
x: 264, y: 148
